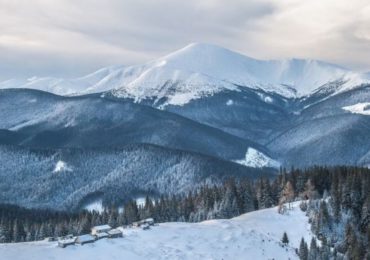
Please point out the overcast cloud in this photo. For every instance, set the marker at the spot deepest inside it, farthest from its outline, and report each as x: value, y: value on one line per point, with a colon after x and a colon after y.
x: 70, y: 38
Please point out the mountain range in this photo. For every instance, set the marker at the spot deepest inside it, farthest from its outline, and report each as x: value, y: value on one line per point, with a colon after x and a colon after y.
x: 200, y: 70
x: 203, y: 100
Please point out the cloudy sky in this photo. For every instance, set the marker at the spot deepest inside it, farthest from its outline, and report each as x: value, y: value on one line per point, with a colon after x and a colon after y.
x: 69, y: 38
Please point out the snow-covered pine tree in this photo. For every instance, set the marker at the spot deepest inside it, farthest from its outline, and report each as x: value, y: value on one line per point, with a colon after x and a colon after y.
x: 313, y: 252
x: 3, y: 232
x: 303, y: 250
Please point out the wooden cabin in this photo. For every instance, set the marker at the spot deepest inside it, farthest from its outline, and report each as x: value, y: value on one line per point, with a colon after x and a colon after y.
x: 50, y: 239
x: 66, y: 241
x: 149, y: 221
x: 101, y: 235
x: 145, y: 226
x: 100, y: 229
x: 136, y: 224
x: 114, y: 233
x: 85, y: 239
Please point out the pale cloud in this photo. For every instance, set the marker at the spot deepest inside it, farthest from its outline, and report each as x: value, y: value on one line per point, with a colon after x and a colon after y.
x: 69, y: 38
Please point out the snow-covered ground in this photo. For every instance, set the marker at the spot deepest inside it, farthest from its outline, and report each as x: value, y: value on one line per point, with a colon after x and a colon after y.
x: 62, y: 166
x: 360, y: 108
x: 97, y: 204
x: 256, y: 159
x: 255, y: 235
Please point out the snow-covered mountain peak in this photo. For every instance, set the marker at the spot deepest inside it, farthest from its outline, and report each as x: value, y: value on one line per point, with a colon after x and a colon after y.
x: 200, y: 70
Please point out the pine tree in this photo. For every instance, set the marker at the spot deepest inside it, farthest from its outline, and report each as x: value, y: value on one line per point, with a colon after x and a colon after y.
x: 313, y: 253
x: 246, y: 197
x: 365, y: 215
x: 112, y: 220
x: 355, y: 247
x: 336, y: 197
x: 41, y: 234
x: 303, y: 250
x: 324, y: 217
x: 229, y: 206
x: 148, y: 207
x: 3, y: 232
x: 84, y: 226
x: 265, y: 197
x: 16, y: 237
x: 285, y: 239
x: 325, y: 249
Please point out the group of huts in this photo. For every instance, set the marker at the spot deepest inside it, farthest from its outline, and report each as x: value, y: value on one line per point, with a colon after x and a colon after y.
x: 99, y: 232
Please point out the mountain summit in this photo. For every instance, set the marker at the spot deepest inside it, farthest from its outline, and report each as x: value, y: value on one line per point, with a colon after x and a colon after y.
x: 199, y: 70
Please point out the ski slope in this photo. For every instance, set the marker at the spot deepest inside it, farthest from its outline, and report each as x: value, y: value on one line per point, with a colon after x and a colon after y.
x: 254, y: 235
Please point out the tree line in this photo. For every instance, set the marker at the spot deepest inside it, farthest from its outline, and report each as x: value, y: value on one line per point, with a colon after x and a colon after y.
x: 336, y: 200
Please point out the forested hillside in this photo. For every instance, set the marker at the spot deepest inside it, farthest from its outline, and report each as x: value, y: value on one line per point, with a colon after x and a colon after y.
x: 336, y: 200
x: 62, y: 178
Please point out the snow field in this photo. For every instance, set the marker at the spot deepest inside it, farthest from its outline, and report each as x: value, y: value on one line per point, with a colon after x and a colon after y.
x: 255, y: 235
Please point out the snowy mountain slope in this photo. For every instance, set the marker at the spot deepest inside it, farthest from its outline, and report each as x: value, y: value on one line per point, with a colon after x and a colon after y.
x: 200, y: 70
x: 324, y: 133
x: 360, y: 108
x: 254, y: 158
x: 255, y: 235
x: 85, y: 84
x: 39, y: 119
x: 249, y: 114
x: 64, y: 178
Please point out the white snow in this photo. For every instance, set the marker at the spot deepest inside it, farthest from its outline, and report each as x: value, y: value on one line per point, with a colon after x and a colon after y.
x: 62, y: 167
x: 96, y: 205
x: 360, y: 108
x: 268, y: 100
x: 230, y: 102
x: 255, y: 235
x: 257, y: 159
x: 265, y: 98
x: 200, y: 70
x: 140, y: 201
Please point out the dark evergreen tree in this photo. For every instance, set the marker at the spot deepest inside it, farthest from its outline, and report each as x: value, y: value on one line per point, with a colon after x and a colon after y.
x: 303, y: 250
x: 313, y: 252
x: 285, y: 239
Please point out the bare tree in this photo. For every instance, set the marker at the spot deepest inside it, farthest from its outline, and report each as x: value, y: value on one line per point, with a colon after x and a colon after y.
x: 287, y: 196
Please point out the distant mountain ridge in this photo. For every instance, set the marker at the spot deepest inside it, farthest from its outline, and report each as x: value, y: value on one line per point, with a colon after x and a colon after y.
x: 199, y: 70
x: 202, y: 98
x: 39, y: 119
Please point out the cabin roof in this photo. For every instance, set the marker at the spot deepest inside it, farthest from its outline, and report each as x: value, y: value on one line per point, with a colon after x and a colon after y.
x: 102, y: 234
x: 102, y: 227
x: 114, y: 231
x: 67, y: 241
x: 85, y: 238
